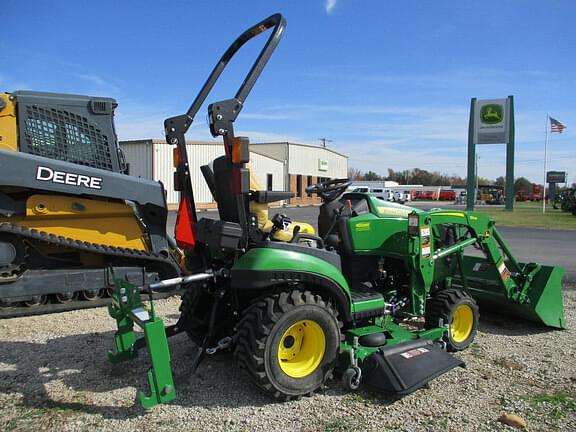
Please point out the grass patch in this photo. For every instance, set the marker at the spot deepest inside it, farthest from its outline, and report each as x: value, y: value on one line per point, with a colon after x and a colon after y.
x: 343, y: 424
x: 369, y: 398
x: 530, y: 216
x: 25, y: 419
x: 476, y: 350
x: 508, y: 363
x: 438, y: 424
x: 557, y: 405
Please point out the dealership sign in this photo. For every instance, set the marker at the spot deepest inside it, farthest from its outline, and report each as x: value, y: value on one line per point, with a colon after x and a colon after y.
x: 556, y: 177
x: 491, y: 121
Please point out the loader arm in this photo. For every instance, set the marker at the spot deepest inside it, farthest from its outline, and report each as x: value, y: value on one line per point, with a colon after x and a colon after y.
x: 530, y: 289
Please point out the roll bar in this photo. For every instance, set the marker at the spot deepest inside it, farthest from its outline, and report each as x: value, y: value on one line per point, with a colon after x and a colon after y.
x: 221, y: 116
x: 176, y: 127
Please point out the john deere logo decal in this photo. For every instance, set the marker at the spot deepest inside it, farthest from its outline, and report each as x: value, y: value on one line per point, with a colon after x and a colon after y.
x: 491, y: 114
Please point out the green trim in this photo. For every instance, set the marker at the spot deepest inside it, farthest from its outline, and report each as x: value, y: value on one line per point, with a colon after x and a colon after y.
x: 364, y: 305
x: 396, y: 334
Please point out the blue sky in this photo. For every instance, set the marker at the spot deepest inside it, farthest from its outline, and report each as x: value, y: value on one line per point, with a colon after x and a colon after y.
x: 389, y: 82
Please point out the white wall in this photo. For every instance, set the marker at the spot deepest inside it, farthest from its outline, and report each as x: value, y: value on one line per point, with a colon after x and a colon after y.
x: 152, y: 159
x: 198, y: 155
x: 139, y: 156
x: 262, y: 166
x: 305, y: 160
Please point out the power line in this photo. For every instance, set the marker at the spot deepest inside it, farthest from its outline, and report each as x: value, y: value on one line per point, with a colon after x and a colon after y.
x: 325, y: 140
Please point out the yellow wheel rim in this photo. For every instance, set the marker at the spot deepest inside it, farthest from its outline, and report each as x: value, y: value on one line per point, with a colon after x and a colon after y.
x: 462, y: 323
x: 301, y: 349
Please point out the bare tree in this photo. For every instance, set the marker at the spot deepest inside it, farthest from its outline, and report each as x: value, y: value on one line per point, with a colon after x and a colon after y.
x: 355, y: 174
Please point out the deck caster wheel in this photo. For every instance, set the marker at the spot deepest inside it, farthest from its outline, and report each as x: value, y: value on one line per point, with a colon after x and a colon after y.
x: 351, y: 378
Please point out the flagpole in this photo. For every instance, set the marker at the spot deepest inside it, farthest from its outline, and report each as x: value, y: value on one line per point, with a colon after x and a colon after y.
x: 545, y: 166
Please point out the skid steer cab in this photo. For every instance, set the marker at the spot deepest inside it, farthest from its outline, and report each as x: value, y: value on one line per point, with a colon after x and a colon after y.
x: 381, y: 294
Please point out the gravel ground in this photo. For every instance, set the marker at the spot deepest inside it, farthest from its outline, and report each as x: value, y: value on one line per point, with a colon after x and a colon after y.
x: 54, y: 376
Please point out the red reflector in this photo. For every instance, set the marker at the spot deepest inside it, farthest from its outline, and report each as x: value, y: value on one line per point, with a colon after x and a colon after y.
x: 184, y: 230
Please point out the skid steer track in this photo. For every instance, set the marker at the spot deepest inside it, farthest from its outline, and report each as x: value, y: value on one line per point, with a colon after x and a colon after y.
x: 156, y: 262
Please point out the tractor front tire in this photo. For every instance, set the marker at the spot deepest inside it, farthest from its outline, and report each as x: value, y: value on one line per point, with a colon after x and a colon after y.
x: 288, y: 343
x: 459, y: 310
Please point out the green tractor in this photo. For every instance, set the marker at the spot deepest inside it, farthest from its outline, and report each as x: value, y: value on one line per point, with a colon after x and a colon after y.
x: 381, y: 294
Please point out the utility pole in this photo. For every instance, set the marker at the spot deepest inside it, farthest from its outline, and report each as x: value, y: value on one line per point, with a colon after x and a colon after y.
x: 324, y: 141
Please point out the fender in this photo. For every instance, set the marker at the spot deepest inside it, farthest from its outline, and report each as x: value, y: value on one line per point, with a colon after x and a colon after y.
x: 263, y: 267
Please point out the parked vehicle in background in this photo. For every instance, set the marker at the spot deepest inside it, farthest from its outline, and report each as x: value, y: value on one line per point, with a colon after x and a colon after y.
x: 398, y: 196
x: 380, y: 193
x: 426, y: 195
x: 534, y: 195
x: 447, y: 195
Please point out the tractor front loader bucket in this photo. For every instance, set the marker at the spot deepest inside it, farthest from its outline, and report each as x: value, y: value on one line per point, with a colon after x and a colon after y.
x: 535, y: 295
x: 492, y: 275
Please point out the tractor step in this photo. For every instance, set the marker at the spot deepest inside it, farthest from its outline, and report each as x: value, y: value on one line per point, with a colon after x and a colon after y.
x: 366, y: 301
x: 405, y: 367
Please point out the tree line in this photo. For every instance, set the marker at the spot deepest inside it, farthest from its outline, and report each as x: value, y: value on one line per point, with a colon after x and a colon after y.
x: 435, y: 178
x: 411, y: 176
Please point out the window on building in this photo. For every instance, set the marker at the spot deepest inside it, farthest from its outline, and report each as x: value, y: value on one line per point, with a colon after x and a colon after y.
x: 309, y: 183
x: 269, y: 182
x: 299, y: 185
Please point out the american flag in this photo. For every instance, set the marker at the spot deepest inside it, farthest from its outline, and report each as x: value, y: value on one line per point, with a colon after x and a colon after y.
x: 556, y: 126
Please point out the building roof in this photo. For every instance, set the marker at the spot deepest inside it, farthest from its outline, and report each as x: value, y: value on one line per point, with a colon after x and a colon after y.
x: 161, y: 141
x: 253, y: 150
x: 149, y: 141
x: 301, y: 145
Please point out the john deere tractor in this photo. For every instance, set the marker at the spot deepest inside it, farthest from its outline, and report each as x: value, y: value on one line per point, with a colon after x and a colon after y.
x: 382, y: 293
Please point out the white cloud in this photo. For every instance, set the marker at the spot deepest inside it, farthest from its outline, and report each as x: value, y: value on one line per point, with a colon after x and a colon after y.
x: 330, y: 5
x: 262, y: 116
x: 100, y: 83
x: 260, y: 136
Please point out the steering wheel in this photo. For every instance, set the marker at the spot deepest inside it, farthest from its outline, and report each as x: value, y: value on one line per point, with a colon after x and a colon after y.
x: 331, y: 189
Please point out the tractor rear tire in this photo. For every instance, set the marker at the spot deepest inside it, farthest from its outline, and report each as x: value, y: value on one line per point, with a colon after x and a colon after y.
x: 288, y: 343
x: 195, y: 328
x: 459, y: 310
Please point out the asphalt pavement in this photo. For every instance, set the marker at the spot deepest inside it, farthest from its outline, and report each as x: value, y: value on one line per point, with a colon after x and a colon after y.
x: 545, y: 246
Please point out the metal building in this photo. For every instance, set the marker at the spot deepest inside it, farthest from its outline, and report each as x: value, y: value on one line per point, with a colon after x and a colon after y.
x: 304, y: 165
x: 277, y: 166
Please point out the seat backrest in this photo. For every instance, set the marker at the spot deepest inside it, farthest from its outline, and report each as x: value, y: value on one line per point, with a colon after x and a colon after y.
x: 327, y: 216
x: 227, y: 205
